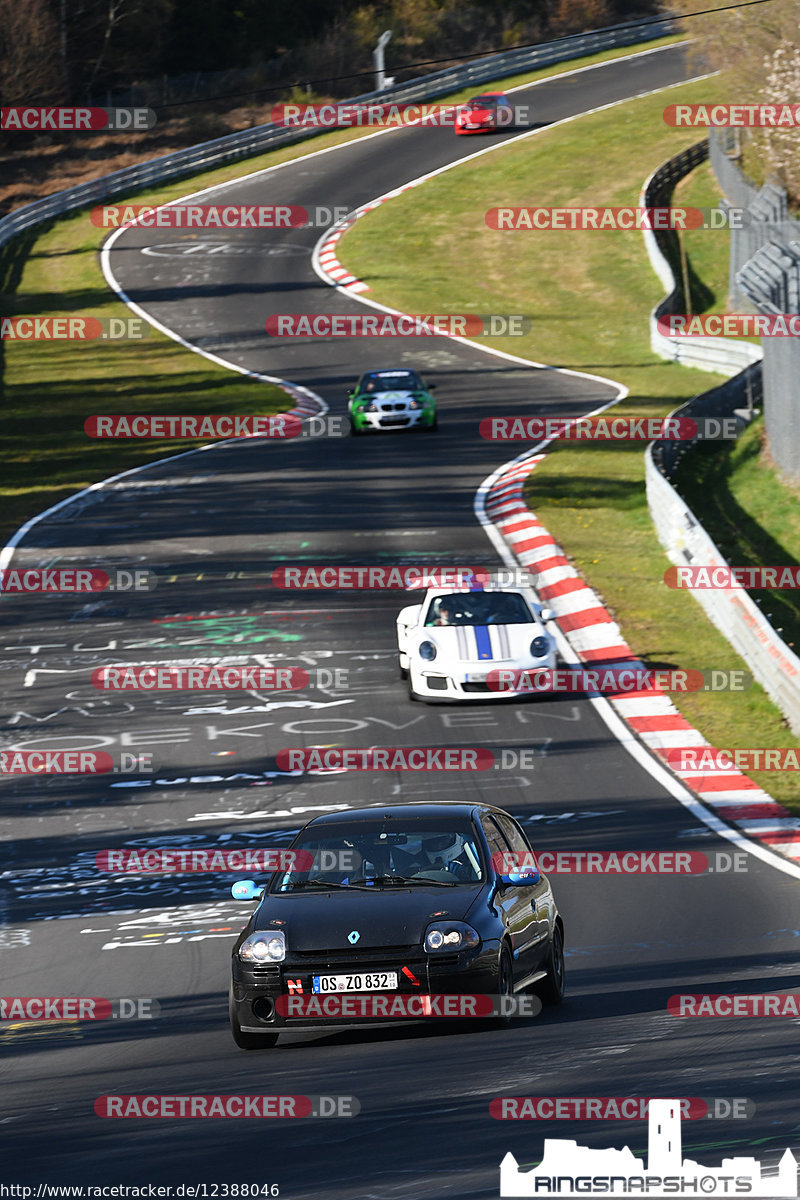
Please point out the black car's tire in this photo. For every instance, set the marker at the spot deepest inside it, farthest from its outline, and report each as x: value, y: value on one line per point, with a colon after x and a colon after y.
x: 248, y: 1041
x: 551, y: 990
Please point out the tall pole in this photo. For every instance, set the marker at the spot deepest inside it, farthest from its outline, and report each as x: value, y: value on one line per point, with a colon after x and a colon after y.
x: 378, y: 60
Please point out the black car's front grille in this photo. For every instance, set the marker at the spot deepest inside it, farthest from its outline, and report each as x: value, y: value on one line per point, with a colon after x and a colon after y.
x: 270, y: 973
x: 385, y: 956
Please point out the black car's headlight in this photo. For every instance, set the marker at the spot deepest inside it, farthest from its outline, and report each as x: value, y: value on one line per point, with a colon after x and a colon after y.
x: 427, y: 650
x: 540, y: 646
x: 443, y: 937
x: 269, y: 946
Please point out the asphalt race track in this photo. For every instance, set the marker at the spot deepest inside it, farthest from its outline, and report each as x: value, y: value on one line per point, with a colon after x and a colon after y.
x: 212, y: 526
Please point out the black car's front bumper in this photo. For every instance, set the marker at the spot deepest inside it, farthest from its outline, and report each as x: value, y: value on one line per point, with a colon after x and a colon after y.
x: 256, y: 989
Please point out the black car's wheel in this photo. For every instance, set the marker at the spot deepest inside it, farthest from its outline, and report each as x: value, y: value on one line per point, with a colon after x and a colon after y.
x: 551, y: 990
x: 505, y: 988
x: 248, y: 1041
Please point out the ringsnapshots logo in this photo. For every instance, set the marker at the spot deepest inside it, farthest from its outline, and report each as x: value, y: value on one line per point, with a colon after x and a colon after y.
x: 570, y: 1170
x: 369, y: 325
x: 73, y: 329
x: 75, y: 120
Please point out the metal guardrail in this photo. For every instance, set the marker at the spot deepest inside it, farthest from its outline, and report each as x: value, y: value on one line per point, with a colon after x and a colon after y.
x: 733, y: 612
x: 246, y: 143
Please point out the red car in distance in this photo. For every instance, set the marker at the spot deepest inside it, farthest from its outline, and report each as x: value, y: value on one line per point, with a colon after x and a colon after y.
x: 481, y: 114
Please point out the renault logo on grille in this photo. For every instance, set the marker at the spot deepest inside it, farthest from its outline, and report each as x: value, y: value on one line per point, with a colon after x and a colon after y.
x: 353, y: 937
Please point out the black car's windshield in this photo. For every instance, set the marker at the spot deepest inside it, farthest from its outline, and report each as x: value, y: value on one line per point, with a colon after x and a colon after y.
x: 391, y: 381
x: 479, y: 608
x: 377, y: 857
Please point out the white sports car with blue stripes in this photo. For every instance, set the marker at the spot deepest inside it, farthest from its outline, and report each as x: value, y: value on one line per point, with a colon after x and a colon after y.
x: 471, y: 642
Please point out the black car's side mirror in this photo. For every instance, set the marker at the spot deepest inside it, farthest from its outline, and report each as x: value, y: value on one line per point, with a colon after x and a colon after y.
x: 431, y: 387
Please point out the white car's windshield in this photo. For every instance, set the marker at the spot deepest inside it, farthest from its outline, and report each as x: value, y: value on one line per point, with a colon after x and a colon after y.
x: 479, y: 608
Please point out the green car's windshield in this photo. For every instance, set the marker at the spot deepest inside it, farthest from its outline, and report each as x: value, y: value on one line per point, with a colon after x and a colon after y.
x: 391, y: 381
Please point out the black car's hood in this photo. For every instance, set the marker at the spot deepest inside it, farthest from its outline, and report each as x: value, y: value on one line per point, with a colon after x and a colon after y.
x: 390, y: 916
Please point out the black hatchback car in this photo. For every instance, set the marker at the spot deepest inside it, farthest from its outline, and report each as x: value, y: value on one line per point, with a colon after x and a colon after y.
x: 402, y: 900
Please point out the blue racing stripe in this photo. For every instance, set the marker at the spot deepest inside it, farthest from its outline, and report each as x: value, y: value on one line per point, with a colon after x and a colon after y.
x: 483, y: 641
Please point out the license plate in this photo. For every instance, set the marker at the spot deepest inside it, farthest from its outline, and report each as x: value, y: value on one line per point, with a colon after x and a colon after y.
x: 471, y: 677
x: 364, y: 981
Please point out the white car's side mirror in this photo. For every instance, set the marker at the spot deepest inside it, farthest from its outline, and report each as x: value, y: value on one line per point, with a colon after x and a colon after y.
x: 547, y: 614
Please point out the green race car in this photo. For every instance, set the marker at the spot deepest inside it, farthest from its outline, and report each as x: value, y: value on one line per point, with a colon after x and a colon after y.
x: 391, y: 400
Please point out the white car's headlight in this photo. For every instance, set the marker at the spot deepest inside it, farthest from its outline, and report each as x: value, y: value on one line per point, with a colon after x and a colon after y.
x: 427, y: 650
x: 539, y: 646
x: 268, y: 946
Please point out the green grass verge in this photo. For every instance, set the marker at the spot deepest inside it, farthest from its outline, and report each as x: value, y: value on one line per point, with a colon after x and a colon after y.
x: 49, y: 388
x: 590, y: 295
